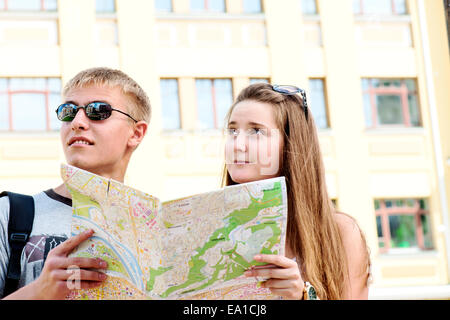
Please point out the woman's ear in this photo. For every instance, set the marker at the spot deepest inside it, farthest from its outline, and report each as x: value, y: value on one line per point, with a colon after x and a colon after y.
x: 139, y: 131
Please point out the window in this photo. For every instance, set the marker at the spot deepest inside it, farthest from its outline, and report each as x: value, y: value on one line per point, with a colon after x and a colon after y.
x: 208, y: 5
x: 258, y: 80
x: 170, y: 104
x: 28, y: 5
x: 163, y: 5
x: 214, y: 98
x: 29, y: 104
x: 106, y: 33
x: 390, y: 102
x: 105, y: 6
x: 403, y: 224
x: 251, y: 6
x: 309, y: 7
x: 380, y: 7
x: 318, y: 103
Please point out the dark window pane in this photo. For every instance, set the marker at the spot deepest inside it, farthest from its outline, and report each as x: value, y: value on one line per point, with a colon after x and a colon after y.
x: 410, y: 84
x: 413, y: 110
x: 410, y: 203
x: 376, y: 204
x: 379, y: 227
x: 389, y: 109
x: 403, y: 231
x: 426, y: 229
x: 423, y: 204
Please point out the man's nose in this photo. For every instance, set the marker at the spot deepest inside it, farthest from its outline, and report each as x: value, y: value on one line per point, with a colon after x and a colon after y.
x: 81, y: 121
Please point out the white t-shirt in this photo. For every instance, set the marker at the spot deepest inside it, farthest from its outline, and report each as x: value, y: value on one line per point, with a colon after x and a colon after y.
x: 51, y: 226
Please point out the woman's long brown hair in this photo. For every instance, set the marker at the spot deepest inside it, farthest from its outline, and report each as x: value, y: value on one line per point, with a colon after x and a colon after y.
x: 312, y: 231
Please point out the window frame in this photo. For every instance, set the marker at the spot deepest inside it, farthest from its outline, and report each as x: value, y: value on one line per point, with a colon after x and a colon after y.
x: 214, y: 106
x: 316, y: 7
x: 180, y: 122
x: 164, y: 11
x: 402, y: 91
x: 42, y: 9
x: 206, y: 6
x: 325, y: 99
x: 9, y: 93
x: 416, y: 211
x: 106, y: 12
x: 261, y: 6
x: 393, y: 9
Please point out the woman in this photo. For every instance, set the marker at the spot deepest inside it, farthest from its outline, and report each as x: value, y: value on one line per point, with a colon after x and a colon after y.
x: 271, y: 133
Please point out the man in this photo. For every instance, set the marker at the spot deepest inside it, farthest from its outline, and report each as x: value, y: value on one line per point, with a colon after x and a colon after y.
x: 105, y: 117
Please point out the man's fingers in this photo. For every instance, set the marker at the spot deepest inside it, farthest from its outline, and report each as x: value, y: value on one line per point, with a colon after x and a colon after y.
x: 67, y: 246
x: 76, y: 274
x: 84, y: 263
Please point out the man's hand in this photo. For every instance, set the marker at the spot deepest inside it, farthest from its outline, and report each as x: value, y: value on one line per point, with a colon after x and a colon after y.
x: 60, y: 271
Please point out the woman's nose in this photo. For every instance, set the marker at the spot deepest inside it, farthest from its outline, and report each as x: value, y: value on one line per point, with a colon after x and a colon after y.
x: 241, y: 142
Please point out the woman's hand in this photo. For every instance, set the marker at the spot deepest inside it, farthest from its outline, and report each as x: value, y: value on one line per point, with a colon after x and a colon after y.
x: 283, y: 273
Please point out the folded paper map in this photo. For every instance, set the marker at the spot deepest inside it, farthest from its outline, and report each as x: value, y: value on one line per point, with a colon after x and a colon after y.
x: 196, y: 247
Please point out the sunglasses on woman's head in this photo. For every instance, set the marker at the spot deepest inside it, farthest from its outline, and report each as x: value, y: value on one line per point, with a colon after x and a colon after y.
x: 94, y: 111
x: 291, y: 90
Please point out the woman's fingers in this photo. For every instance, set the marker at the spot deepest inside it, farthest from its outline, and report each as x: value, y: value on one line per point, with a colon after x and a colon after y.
x: 275, y: 273
x: 287, y: 293
x: 278, y: 260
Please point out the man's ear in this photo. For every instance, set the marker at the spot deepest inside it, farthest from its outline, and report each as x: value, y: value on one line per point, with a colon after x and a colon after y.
x: 139, y: 131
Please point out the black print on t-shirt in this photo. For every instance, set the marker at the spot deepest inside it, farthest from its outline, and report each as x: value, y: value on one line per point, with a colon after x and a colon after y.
x: 38, y: 247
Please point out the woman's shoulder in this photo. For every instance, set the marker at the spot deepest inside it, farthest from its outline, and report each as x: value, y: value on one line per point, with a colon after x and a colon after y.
x: 345, y: 222
x: 352, y: 236
x: 358, y: 253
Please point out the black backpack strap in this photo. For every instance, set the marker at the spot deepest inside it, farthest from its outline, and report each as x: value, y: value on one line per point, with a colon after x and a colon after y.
x: 21, y: 216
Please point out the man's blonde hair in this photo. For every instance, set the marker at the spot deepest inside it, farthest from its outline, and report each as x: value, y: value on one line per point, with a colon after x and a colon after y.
x: 102, y: 76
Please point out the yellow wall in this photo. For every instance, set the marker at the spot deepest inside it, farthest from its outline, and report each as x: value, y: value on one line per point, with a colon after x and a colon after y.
x: 285, y: 46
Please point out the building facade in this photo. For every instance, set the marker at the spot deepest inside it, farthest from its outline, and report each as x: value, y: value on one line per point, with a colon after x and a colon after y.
x: 376, y: 74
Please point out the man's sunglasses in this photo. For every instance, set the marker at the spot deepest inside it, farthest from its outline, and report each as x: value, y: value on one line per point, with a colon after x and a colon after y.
x: 291, y: 90
x: 94, y: 111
